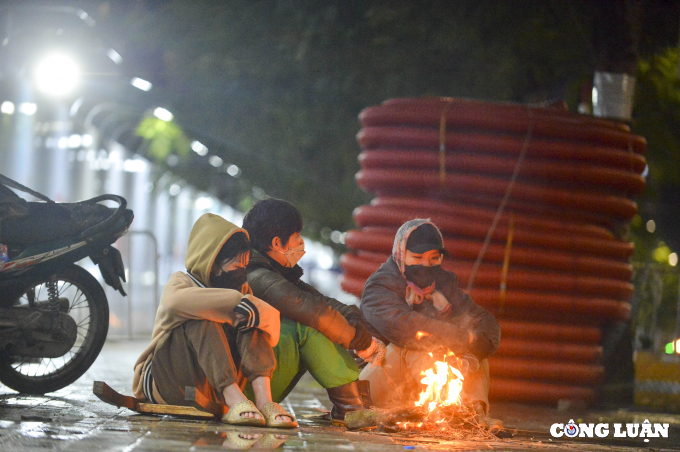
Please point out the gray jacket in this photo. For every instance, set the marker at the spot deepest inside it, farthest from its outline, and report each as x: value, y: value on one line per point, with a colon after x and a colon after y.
x: 384, y: 305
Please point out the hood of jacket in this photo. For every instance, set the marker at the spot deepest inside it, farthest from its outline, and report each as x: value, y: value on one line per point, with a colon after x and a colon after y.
x: 400, y: 239
x: 209, y: 234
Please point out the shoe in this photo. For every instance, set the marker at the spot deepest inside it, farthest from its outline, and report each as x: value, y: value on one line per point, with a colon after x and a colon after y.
x: 365, y: 393
x: 484, y: 420
x: 273, y: 409
x: 345, y: 398
x: 233, y: 416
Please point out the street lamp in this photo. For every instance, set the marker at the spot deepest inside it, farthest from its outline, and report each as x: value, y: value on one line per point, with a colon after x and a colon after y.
x: 163, y: 114
x: 57, y: 74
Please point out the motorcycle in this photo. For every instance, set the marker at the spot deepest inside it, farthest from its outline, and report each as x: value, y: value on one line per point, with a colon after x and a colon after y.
x: 54, y: 315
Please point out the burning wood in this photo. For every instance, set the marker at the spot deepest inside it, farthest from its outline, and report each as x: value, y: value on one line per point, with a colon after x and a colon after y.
x: 453, y: 422
x: 437, y: 412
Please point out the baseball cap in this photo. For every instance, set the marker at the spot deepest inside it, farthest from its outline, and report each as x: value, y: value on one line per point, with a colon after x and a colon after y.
x: 425, y: 238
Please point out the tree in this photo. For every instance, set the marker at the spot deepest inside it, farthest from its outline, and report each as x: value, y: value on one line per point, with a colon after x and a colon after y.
x: 277, y: 85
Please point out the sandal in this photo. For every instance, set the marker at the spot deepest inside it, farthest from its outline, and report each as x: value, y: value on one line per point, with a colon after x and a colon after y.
x: 273, y: 409
x: 271, y: 441
x: 233, y: 416
x: 238, y: 441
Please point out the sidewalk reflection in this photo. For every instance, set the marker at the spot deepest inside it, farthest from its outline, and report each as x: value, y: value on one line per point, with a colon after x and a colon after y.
x: 241, y: 440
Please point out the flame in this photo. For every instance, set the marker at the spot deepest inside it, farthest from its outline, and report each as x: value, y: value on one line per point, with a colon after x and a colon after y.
x: 444, y: 384
x: 422, y: 334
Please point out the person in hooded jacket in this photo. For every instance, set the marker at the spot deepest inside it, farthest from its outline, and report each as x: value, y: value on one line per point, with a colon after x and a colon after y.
x: 316, y: 330
x: 417, y: 308
x: 211, y: 333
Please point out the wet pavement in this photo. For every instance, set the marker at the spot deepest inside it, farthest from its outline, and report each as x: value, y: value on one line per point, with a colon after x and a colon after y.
x: 73, y: 419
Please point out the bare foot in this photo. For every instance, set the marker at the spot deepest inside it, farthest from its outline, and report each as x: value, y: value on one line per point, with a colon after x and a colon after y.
x: 249, y: 436
x: 251, y: 415
x: 284, y: 418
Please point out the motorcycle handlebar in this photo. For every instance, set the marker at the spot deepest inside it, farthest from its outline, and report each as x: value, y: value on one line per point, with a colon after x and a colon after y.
x: 122, y: 205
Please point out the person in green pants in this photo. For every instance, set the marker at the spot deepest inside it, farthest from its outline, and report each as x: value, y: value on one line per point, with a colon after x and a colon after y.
x: 316, y: 331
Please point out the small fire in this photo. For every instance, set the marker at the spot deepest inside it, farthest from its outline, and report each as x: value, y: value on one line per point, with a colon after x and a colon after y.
x: 422, y: 334
x: 444, y: 384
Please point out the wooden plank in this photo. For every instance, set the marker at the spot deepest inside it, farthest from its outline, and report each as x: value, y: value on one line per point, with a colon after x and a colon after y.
x: 108, y: 395
x: 174, y: 410
x: 201, y: 402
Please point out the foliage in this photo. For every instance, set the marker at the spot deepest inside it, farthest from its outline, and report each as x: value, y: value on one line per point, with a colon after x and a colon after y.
x: 657, y: 114
x: 656, y: 299
x: 164, y: 137
x: 276, y: 86
x: 279, y: 84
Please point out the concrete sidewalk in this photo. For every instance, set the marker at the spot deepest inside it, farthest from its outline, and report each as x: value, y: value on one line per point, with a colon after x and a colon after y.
x: 73, y: 419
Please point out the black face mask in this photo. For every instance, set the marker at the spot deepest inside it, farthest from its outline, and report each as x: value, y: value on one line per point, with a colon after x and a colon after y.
x: 229, y: 280
x: 420, y: 275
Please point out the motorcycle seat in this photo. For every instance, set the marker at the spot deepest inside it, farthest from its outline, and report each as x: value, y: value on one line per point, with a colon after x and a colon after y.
x: 47, y: 222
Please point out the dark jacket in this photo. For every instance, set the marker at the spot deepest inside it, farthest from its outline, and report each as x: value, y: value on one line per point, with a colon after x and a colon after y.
x: 384, y: 306
x: 282, y: 288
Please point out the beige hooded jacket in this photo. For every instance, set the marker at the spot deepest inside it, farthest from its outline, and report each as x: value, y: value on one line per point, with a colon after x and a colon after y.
x: 183, y: 299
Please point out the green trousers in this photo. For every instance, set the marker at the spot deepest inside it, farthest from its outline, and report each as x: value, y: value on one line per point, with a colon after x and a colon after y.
x: 301, y: 349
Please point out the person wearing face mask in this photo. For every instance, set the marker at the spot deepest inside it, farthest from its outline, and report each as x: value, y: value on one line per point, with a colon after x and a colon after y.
x: 316, y: 330
x: 417, y: 308
x: 211, y: 333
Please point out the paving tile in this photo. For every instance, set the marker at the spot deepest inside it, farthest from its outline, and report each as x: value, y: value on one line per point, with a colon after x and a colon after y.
x: 74, y: 420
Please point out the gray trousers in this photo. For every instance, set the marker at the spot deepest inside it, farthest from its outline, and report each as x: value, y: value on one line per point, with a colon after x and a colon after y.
x: 209, y: 356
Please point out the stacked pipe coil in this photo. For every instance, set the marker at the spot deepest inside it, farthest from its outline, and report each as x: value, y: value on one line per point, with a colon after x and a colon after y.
x: 549, y: 188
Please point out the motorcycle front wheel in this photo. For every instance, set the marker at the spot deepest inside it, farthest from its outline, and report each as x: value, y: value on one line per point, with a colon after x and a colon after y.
x: 90, y: 310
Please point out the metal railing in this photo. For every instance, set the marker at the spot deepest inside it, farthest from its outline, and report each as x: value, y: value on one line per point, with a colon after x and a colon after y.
x: 130, y: 272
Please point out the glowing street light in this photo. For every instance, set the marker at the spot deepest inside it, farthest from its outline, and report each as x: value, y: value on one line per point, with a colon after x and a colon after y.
x: 28, y: 108
x: 141, y: 84
x: 199, y: 148
x: 57, y: 75
x: 215, y: 161
x: 7, y: 108
x: 163, y: 114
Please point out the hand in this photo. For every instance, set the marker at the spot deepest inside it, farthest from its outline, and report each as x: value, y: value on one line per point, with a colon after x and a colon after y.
x: 240, y: 318
x: 467, y: 363
x: 375, y: 354
x: 246, y: 315
x: 439, y: 301
x: 364, y: 354
x: 472, y: 363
